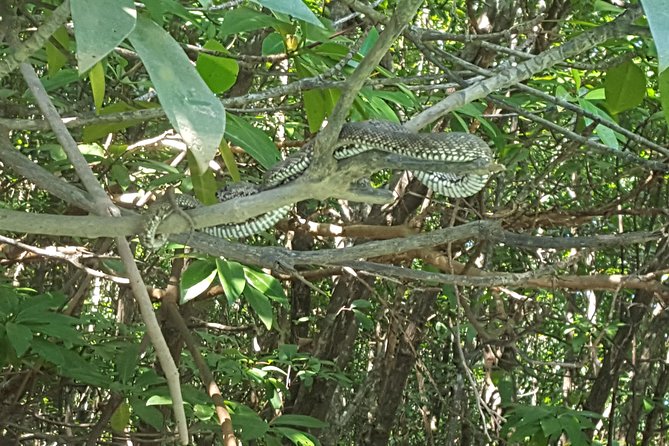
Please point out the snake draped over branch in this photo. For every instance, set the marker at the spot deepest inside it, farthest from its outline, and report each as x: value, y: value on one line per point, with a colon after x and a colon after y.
x: 354, y: 139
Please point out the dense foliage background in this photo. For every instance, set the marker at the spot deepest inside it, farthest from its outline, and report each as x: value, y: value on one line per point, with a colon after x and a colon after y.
x: 531, y: 313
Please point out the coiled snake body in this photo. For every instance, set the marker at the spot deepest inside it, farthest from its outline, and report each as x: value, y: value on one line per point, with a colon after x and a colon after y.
x: 354, y: 139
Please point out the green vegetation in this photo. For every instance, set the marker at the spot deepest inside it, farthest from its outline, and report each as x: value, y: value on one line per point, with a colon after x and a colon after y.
x: 533, y: 312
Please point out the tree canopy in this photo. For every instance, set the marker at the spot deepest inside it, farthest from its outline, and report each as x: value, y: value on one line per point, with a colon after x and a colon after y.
x: 533, y: 312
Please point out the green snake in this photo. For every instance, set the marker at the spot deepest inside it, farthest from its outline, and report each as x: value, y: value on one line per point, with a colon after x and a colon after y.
x: 354, y: 139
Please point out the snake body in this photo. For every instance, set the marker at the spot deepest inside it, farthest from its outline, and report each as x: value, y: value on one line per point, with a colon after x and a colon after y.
x: 354, y: 139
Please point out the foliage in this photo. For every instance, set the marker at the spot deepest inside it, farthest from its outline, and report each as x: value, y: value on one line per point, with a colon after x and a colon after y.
x: 548, y: 326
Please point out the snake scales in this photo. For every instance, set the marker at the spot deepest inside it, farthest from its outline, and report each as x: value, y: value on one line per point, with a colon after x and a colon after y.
x: 354, y: 139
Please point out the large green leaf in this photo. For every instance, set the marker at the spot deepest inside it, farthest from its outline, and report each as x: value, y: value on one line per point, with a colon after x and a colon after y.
x: 126, y: 362
x: 319, y: 103
x: 219, y: 73
x: 266, y: 284
x: 605, y: 134
x: 231, y: 276
x: 194, y: 111
x: 120, y: 418
x: 657, y: 13
x: 254, y: 141
x: 625, y: 87
x: 147, y: 414
x: 248, y: 422
x: 298, y: 437
x: 664, y: 93
x: 241, y: 20
x: 261, y: 305
x: 99, y: 26
x: 294, y: 8
x: 56, y: 58
x: 196, y: 279
x: 19, y: 336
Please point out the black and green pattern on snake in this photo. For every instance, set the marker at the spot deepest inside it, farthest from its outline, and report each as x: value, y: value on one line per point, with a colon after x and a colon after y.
x: 354, y: 139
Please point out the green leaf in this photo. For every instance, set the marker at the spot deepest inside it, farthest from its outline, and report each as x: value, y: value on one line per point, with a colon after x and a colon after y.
x: 121, y: 175
x: 196, y: 279
x: 361, y: 303
x: 273, y: 44
x: 97, y: 78
x: 9, y: 301
x: 229, y: 160
x: 83, y: 371
x: 254, y: 141
x: 606, y: 135
x: 126, y: 364
x: 658, y: 19
x: 59, y: 331
x: 297, y: 437
x: 248, y: 422
x: 551, y: 427
x: 54, y: 55
x: 294, y: 8
x: 572, y: 428
x: 241, y: 20
x: 231, y: 276
x: 318, y: 104
x: 99, y: 27
x: 120, y: 419
x: 261, y: 305
x: 299, y: 421
x: 48, y: 351
x: 35, y: 312
x: 219, y: 73
x: 147, y: 414
x: 203, y: 412
x: 204, y: 183
x: 19, y: 336
x: 194, y: 111
x: 162, y: 10
x: 60, y: 79
x: 265, y: 283
x: 663, y: 81
x: 625, y: 87
x: 159, y: 400
x: 648, y: 405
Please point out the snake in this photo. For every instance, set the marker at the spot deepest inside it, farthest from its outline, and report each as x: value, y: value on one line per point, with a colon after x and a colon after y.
x: 354, y: 139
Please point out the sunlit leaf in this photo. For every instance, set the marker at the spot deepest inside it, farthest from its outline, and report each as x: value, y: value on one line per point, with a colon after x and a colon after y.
x: 120, y: 418
x: 625, y: 87
x: 196, y: 279
x: 294, y: 8
x: 194, y: 111
x: 658, y: 19
x: 261, y: 305
x: 99, y: 27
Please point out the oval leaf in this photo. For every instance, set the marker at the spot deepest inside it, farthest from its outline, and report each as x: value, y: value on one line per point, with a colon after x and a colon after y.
x: 254, y: 141
x: 295, y: 8
x: 196, y: 279
x: 261, y: 305
x: 19, y: 336
x: 99, y: 27
x: 193, y: 110
x: 625, y: 87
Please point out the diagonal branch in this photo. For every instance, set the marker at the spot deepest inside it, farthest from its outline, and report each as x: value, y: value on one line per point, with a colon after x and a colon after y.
x: 527, y: 69
x: 104, y: 206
